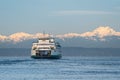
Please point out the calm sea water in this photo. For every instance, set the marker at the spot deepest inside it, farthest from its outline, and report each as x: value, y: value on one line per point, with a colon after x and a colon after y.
x: 71, y: 67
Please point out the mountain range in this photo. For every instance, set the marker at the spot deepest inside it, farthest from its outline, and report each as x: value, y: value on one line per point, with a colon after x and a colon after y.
x: 101, y: 37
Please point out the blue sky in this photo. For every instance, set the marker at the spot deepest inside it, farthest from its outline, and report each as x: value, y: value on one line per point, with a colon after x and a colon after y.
x: 58, y: 16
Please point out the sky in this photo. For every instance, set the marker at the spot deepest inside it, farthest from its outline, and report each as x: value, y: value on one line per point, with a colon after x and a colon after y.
x: 57, y: 16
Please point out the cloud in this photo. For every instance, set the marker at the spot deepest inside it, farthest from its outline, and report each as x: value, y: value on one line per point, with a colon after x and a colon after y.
x: 100, y: 32
x: 117, y: 8
x: 80, y: 12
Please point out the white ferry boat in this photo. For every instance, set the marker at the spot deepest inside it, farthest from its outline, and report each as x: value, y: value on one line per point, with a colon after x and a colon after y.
x: 47, y: 48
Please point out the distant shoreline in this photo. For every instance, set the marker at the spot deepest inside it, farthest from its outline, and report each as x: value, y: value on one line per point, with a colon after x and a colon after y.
x: 66, y: 51
x: 69, y: 47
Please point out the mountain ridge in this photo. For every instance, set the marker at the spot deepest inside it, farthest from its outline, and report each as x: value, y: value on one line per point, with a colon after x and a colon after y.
x: 100, y: 32
x: 101, y: 37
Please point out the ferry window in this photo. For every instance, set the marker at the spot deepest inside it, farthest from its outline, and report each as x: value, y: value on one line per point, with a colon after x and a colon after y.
x: 52, y: 47
x: 51, y: 40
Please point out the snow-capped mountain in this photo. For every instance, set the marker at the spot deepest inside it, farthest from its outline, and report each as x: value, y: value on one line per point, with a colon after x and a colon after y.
x: 100, y: 32
x: 100, y: 37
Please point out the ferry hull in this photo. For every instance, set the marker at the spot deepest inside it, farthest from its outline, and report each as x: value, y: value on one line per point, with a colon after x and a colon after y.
x: 47, y: 57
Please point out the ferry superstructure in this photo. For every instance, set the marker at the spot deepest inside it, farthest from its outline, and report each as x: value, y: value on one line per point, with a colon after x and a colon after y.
x: 46, y: 47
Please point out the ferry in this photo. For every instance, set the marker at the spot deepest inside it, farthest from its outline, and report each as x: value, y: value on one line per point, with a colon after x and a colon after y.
x: 46, y: 48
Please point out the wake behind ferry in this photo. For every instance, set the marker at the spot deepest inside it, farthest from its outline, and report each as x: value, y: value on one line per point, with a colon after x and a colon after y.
x: 46, y: 48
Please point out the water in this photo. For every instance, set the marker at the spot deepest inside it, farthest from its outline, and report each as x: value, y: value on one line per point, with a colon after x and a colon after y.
x: 76, y: 64
x: 67, y: 68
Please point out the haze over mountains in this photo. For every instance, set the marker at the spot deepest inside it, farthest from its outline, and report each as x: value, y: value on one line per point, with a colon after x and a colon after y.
x: 101, y: 37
